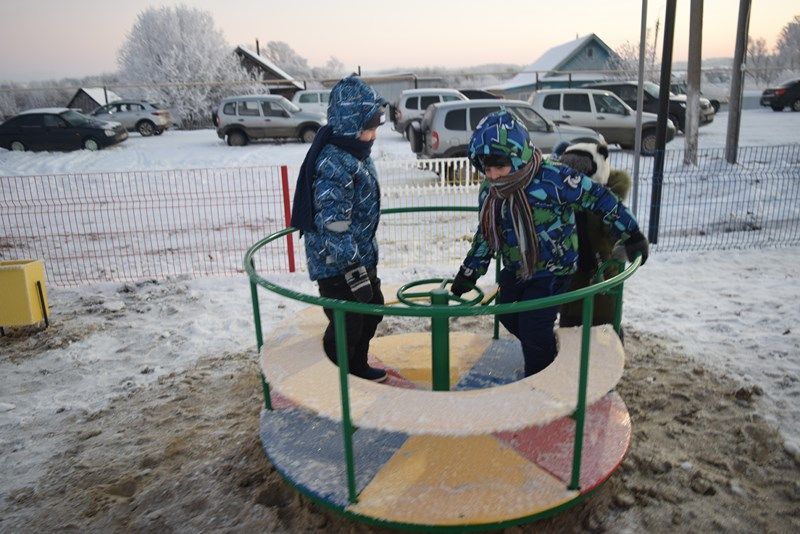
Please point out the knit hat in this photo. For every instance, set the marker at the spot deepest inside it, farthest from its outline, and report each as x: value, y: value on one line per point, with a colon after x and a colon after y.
x: 500, y: 134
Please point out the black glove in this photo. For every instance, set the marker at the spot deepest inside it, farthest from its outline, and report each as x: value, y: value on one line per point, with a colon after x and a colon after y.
x: 463, y: 281
x: 637, y: 244
x: 356, y: 277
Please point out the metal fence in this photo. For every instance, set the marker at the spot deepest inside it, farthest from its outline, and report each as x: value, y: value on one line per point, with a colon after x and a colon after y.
x: 153, y: 224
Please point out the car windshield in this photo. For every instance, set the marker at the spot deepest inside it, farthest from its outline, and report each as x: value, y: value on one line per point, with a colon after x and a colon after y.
x: 75, y: 119
x: 288, y: 105
x: 533, y: 121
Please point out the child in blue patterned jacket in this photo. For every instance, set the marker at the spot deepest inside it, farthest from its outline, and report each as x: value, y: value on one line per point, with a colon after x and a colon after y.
x: 337, y: 208
x: 527, y: 214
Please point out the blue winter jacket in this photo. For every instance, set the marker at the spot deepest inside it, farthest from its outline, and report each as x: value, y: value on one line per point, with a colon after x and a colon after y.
x: 553, y: 195
x: 346, y: 192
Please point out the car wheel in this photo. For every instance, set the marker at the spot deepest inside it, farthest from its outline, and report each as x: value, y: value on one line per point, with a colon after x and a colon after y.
x: 91, y: 144
x: 158, y: 131
x: 715, y: 104
x: 796, y: 104
x: 776, y: 108
x: 648, y: 143
x: 17, y: 146
x: 308, y: 135
x: 237, y: 138
x: 408, y: 130
x: 146, y: 128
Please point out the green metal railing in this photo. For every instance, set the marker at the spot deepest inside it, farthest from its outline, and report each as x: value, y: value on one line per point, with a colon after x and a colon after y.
x: 440, y: 312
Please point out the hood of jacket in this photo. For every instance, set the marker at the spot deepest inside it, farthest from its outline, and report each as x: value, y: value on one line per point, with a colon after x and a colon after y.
x: 352, y: 103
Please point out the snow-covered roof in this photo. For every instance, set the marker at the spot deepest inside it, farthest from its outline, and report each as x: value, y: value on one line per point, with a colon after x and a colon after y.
x: 552, y: 60
x: 44, y: 110
x: 267, y: 64
x: 98, y: 94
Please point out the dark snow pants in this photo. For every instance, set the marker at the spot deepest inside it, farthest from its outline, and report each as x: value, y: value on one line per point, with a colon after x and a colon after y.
x: 360, y: 328
x: 533, y: 328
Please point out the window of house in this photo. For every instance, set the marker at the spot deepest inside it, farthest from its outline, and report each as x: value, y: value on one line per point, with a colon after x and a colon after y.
x: 590, y: 52
x: 456, y: 119
x: 248, y: 108
x: 551, y: 102
x: 576, y: 102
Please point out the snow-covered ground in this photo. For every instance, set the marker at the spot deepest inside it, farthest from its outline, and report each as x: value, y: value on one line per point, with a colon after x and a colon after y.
x: 734, y: 311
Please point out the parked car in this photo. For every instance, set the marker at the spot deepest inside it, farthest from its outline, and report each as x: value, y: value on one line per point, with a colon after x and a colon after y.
x: 136, y: 115
x: 602, y: 111
x: 313, y: 100
x: 59, y: 129
x: 677, y: 103
x: 446, y: 128
x: 411, y: 105
x: 786, y: 94
x: 680, y: 88
x: 241, y: 119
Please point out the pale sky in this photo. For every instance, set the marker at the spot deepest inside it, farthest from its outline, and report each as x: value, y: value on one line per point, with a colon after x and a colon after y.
x: 45, y: 39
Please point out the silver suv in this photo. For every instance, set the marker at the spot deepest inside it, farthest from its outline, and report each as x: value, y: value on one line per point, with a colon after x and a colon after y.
x: 144, y: 117
x: 447, y: 127
x: 240, y: 119
x: 602, y: 111
x: 411, y: 105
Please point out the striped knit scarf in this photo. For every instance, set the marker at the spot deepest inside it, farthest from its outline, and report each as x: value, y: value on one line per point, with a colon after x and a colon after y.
x: 510, y: 190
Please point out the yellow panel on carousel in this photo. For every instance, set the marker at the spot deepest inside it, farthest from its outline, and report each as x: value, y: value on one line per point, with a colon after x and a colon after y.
x: 410, y: 354
x: 426, y: 483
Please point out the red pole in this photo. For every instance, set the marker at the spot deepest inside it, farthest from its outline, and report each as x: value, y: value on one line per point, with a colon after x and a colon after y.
x: 287, y: 214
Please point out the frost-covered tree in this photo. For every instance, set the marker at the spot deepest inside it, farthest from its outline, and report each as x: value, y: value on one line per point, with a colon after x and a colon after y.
x: 788, y: 45
x: 760, y: 63
x: 333, y: 68
x: 176, y: 56
x: 287, y: 59
x: 625, y: 65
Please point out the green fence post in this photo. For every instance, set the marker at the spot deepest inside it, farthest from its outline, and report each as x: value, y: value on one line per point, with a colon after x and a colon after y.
x: 580, y: 411
x: 440, y: 343
x: 347, y: 426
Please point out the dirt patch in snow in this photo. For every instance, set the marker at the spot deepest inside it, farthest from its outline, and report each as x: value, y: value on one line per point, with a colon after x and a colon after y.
x: 183, y: 454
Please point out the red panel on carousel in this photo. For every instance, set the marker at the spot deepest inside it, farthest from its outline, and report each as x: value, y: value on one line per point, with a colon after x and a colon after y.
x: 606, y: 439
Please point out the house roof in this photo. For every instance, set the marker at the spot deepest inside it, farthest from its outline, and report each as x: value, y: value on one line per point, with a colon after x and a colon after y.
x: 553, y: 60
x: 268, y: 65
x: 98, y: 95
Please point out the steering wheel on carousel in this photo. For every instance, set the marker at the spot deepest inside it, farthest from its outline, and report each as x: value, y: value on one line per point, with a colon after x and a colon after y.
x: 439, y: 296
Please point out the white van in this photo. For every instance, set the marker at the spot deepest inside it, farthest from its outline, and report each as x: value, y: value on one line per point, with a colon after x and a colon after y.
x: 312, y: 100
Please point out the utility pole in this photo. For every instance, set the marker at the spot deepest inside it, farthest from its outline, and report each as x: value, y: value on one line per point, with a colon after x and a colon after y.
x: 737, y: 83
x: 661, y: 126
x: 655, y: 46
x: 693, y: 82
x: 637, y: 143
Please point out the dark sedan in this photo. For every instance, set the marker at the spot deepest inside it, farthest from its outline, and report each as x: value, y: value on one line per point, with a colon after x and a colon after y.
x: 58, y: 129
x: 786, y: 94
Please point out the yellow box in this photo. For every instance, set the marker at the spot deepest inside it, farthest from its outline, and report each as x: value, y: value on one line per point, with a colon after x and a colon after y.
x: 19, y: 296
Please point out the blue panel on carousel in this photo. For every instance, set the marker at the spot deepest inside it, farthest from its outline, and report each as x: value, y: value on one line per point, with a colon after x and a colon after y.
x: 502, y: 363
x: 309, y: 451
